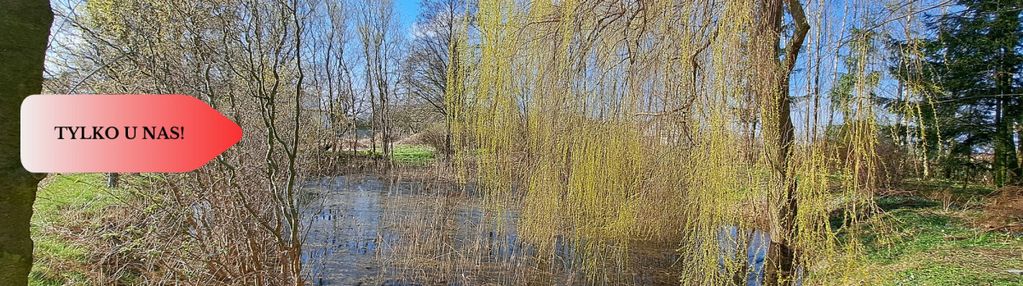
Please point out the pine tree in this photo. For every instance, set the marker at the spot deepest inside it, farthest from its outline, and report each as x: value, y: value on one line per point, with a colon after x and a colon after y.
x: 971, y: 66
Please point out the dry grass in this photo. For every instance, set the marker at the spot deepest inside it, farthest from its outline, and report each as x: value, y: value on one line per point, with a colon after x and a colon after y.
x: 1003, y: 210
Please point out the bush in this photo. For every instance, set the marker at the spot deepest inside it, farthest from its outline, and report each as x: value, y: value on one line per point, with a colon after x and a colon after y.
x: 435, y: 136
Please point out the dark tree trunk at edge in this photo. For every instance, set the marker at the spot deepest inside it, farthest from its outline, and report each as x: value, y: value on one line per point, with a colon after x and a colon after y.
x: 24, y: 29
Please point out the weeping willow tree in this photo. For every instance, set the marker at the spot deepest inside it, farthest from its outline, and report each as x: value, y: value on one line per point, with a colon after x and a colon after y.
x: 609, y: 122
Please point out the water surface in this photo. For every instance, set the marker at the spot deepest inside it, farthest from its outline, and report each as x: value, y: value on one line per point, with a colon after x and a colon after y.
x: 364, y: 230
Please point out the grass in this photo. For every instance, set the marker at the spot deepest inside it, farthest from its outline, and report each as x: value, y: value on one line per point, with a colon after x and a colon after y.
x: 937, y: 245
x: 414, y: 155
x: 66, y: 204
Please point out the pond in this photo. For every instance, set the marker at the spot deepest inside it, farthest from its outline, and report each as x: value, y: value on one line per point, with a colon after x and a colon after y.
x: 367, y: 230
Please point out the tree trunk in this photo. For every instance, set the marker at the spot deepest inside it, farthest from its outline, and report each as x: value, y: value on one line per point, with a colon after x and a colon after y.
x: 780, y: 265
x: 1006, y: 166
x: 24, y: 28
x: 1019, y: 147
x: 112, y: 180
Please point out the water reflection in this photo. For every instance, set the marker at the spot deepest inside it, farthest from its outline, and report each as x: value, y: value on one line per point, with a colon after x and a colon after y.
x: 363, y: 230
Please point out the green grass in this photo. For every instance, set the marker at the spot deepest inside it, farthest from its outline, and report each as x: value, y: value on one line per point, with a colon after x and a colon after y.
x: 932, y: 246
x: 408, y: 155
x: 413, y: 155
x: 64, y: 205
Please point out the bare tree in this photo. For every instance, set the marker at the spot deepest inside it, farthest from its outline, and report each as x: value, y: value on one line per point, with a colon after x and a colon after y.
x: 333, y: 76
x: 249, y: 60
x: 432, y: 49
x: 376, y: 25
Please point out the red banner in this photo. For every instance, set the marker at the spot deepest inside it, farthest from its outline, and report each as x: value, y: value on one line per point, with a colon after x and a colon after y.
x: 121, y: 133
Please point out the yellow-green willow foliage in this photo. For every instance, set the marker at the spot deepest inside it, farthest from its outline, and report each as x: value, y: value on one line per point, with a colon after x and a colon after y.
x: 608, y: 122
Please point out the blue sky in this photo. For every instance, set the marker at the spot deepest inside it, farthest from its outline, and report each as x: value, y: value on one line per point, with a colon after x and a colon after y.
x: 407, y: 12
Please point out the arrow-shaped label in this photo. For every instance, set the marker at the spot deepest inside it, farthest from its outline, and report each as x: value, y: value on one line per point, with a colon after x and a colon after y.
x: 121, y: 133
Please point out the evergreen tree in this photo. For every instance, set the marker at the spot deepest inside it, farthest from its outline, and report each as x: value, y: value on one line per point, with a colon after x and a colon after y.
x: 971, y: 66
